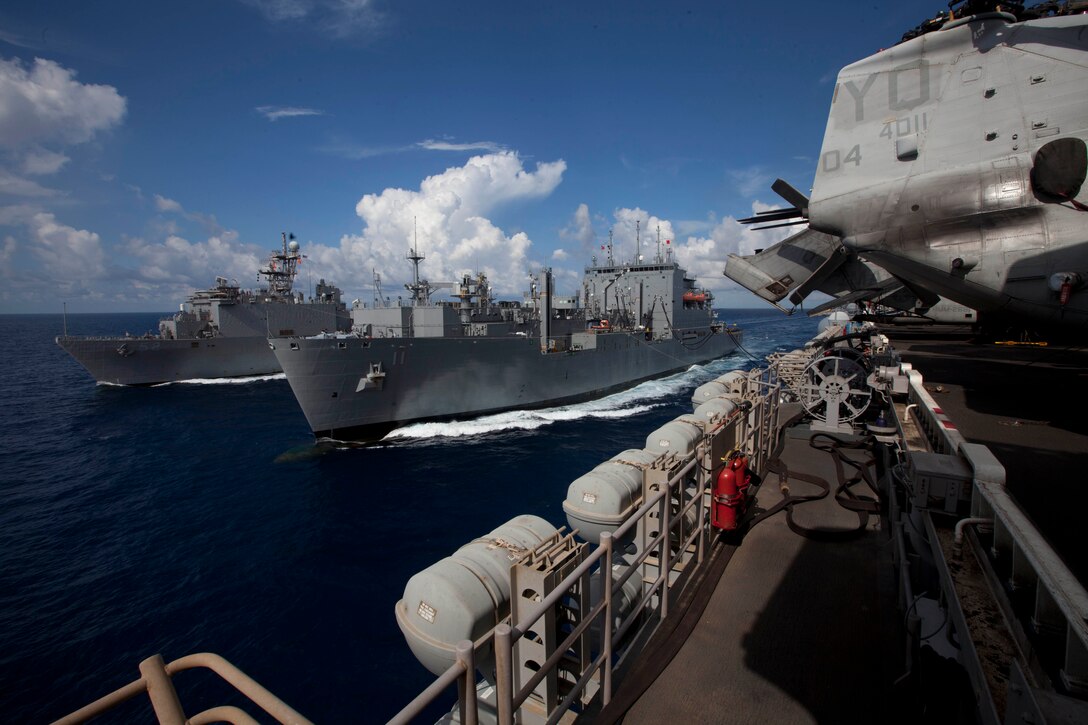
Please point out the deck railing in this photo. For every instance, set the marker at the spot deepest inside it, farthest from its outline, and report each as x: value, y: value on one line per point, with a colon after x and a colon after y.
x: 1019, y: 553
x: 155, y: 680
x: 750, y: 428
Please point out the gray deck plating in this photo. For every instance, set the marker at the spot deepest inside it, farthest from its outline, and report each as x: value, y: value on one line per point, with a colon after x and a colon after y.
x: 802, y: 631
x: 1023, y: 403
x: 757, y: 656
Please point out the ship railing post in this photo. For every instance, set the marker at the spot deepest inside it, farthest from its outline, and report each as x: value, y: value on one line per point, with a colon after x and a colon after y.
x: 164, y: 698
x: 466, y: 685
x: 767, y: 441
x: 664, y: 556
x: 764, y: 440
x: 705, y: 482
x: 761, y: 434
x: 504, y: 686
x: 606, y: 625
x: 777, y: 393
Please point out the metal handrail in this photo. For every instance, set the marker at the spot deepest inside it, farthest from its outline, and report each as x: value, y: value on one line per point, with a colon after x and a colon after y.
x: 942, y: 434
x: 462, y: 669
x: 547, y: 603
x: 505, y: 634
x: 504, y: 645
x: 502, y: 631
x: 1061, y: 601
x: 156, y: 681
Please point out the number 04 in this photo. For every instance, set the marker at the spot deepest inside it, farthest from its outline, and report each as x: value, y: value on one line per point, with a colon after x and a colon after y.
x: 833, y: 160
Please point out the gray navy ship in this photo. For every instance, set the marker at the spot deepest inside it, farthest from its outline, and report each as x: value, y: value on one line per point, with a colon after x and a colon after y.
x: 424, y: 360
x: 220, y: 332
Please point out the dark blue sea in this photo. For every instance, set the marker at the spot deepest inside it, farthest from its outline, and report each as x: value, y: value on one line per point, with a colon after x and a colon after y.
x: 200, y: 516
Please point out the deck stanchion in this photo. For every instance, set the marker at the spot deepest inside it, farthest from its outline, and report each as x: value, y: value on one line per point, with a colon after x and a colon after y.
x: 504, y: 686
x: 606, y: 625
x: 466, y: 685
x: 663, y: 559
x: 164, y: 698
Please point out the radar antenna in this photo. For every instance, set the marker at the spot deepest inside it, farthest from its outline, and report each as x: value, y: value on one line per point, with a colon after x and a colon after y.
x: 282, y: 266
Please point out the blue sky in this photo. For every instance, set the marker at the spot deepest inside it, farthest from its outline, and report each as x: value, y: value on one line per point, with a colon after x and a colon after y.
x: 147, y: 147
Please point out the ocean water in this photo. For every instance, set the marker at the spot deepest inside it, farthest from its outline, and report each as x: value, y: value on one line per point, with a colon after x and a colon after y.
x: 200, y: 516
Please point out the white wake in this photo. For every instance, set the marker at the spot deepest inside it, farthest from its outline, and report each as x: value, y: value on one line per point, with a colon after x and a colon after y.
x: 225, y: 381
x: 639, y: 399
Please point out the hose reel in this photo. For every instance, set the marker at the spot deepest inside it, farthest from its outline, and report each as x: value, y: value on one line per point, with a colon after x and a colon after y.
x: 834, y: 389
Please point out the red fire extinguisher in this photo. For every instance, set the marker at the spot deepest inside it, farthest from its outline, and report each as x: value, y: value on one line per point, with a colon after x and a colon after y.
x: 730, y: 492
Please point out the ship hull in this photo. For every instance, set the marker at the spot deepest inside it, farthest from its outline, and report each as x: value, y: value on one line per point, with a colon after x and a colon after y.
x: 428, y: 379
x: 148, y: 361
x: 240, y: 350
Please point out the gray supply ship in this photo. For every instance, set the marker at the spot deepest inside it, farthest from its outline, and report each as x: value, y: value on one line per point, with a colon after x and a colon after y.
x: 219, y: 332
x: 428, y: 360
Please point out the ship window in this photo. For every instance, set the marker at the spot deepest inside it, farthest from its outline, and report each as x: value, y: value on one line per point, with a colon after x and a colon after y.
x: 294, y: 345
x: 287, y: 333
x: 342, y: 345
x: 335, y: 395
x: 194, y: 344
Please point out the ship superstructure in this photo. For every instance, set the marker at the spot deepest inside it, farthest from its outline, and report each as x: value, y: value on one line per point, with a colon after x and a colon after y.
x: 218, y: 332
x: 423, y: 359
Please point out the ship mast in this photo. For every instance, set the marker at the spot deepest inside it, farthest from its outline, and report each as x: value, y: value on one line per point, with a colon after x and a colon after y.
x: 282, y: 267
x: 420, y: 289
x: 379, y: 298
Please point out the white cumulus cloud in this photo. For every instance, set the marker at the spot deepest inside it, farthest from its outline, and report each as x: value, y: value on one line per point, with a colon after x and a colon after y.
x: 175, y: 266
x: 639, y: 231
x: 580, y: 229
x: 41, y: 162
x: 42, y: 105
x: 48, y: 259
x: 12, y: 185
x: 450, y: 211
x: 67, y: 253
x: 703, y: 254
x: 43, y: 102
